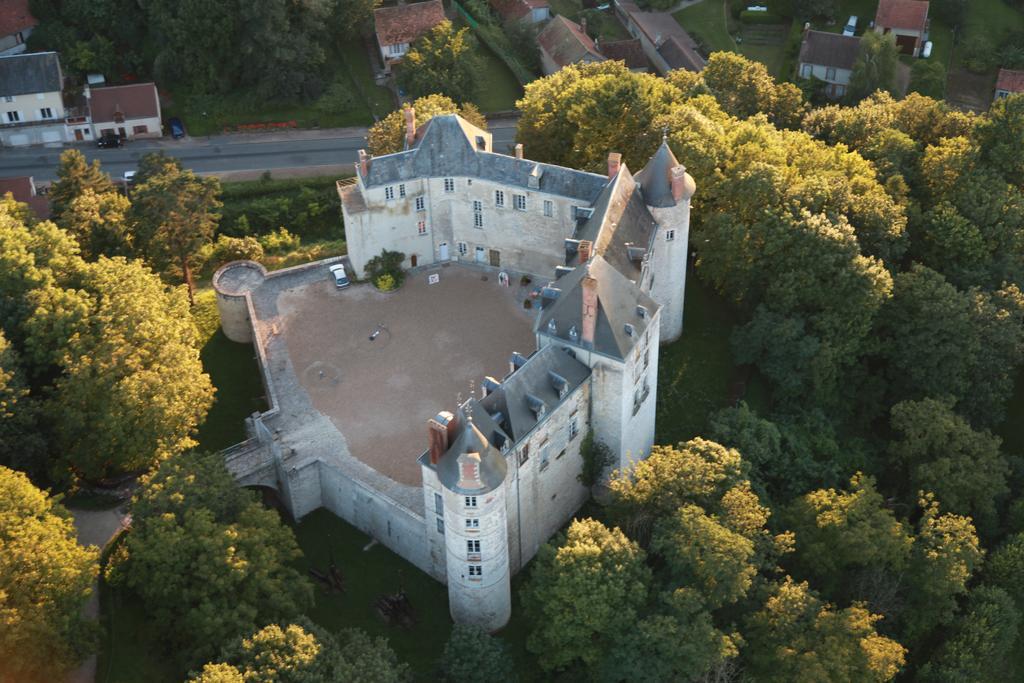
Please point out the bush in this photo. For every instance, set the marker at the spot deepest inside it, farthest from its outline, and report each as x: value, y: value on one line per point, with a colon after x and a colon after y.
x: 928, y: 78
x: 280, y: 241
x: 979, y: 54
x: 387, y: 263
x: 473, y: 654
x: 227, y: 249
x: 385, y: 282
x: 748, y: 17
x: 596, y: 457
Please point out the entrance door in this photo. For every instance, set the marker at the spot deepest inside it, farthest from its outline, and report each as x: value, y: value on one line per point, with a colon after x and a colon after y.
x: 481, y: 255
x: 78, y: 135
x: 120, y: 131
x: 495, y: 258
x: 443, y: 251
x: 412, y: 260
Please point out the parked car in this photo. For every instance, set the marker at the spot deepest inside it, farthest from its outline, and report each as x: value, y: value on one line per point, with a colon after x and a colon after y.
x: 108, y: 140
x: 340, y: 276
x: 851, y: 26
x: 926, y: 51
x: 129, y: 177
x: 177, y: 128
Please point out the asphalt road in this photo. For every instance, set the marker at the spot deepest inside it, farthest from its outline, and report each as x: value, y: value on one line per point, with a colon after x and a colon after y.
x: 219, y: 154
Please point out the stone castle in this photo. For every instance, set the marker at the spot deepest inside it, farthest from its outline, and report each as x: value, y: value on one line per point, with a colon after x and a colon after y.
x: 500, y: 472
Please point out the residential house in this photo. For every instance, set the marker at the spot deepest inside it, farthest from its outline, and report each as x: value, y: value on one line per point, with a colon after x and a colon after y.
x: 664, y: 41
x: 905, y: 19
x: 828, y: 57
x: 532, y: 11
x: 629, y: 51
x: 131, y: 111
x: 563, y: 42
x: 31, y: 102
x: 1008, y: 83
x: 23, y: 189
x: 398, y: 27
x: 16, y: 24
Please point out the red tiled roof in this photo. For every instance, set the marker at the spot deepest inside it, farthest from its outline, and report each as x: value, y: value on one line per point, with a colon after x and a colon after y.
x: 137, y: 101
x: 565, y: 42
x: 21, y: 188
x: 406, y: 23
x: 517, y: 9
x: 911, y: 15
x: 629, y: 51
x: 1010, y: 80
x: 15, y: 16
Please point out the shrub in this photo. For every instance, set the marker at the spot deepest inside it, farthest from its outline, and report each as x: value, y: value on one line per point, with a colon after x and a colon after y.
x: 979, y: 54
x: 279, y: 241
x: 928, y: 78
x: 385, y: 282
x: 387, y: 263
x: 227, y: 249
x: 596, y: 457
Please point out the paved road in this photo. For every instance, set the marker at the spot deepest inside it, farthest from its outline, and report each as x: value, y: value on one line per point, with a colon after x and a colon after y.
x: 331, y: 150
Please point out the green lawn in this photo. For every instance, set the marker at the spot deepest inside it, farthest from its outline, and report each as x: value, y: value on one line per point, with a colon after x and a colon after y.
x: 992, y: 20
x: 706, y: 22
x: 600, y: 24
x: 499, y: 88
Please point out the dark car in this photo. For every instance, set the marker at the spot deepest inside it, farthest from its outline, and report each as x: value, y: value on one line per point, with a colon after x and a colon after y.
x: 108, y: 140
x: 177, y: 128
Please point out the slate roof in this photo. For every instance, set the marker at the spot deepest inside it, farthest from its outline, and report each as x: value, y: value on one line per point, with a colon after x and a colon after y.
x: 618, y: 299
x: 620, y: 220
x: 473, y: 421
x: 566, y: 43
x: 517, y: 9
x: 903, y: 14
x: 829, y: 49
x: 511, y: 401
x: 655, y: 179
x: 629, y: 51
x: 446, y: 146
x: 406, y: 23
x: 136, y: 101
x: 28, y: 73
x: 661, y: 29
x: 1010, y: 81
x: 679, y: 54
x: 15, y: 16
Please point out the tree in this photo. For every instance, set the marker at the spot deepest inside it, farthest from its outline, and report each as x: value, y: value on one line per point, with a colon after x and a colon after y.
x: 22, y: 445
x: 812, y: 9
x: 445, y: 61
x: 744, y: 87
x: 472, y: 653
x: 302, y: 652
x: 797, y: 637
x: 99, y: 222
x: 940, y: 453
x: 388, y: 135
x: 74, y: 176
x: 982, y: 644
x: 875, y: 66
x: 1000, y: 135
x: 352, y: 16
x: 1005, y: 567
x: 207, y: 574
x: 176, y: 215
x: 45, y: 580
x: 949, y: 243
x: 585, y: 590
x: 928, y: 78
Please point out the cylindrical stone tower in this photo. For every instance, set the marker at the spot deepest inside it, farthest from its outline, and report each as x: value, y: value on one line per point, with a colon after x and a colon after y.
x: 232, y: 282
x: 472, y: 474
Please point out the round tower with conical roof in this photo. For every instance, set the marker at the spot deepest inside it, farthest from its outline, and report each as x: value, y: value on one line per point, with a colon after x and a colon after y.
x: 667, y: 189
x: 472, y: 475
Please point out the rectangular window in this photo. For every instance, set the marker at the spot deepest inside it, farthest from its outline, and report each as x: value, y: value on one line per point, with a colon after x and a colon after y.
x: 478, y: 220
x: 421, y: 228
x: 438, y: 504
x: 8, y: 98
x: 524, y: 454
x: 449, y: 184
x: 499, y: 198
x: 830, y: 74
x: 574, y: 428
x: 401, y: 190
x: 519, y: 202
x: 670, y: 235
x: 473, y: 546
x: 13, y: 117
x: 46, y: 113
x: 440, y: 525
x: 395, y: 49
x: 463, y: 248
x: 389, y: 193
x: 140, y: 130
x: 421, y: 204
x: 545, y: 456
x: 478, y: 205
x: 805, y: 70
x: 471, y: 501
x: 549, y: 208
x: 472, y: 524
x: 476, y: 570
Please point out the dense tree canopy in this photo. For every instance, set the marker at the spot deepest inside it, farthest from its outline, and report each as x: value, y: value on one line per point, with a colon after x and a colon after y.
x: 473, y: 653
x: 444, y: 61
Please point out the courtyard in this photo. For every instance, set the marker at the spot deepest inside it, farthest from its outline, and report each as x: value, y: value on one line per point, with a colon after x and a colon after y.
x: 379, y: 365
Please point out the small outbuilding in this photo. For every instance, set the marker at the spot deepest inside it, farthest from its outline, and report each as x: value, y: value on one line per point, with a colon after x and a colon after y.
x: 828, y: 57
x: 905, y: 19
x: 131, y: 111
x: 1009, y: 82
x: 398, y: 27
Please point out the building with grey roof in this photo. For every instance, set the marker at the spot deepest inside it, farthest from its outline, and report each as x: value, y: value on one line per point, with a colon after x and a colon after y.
x: 31, y: 99
x: 828, y: 57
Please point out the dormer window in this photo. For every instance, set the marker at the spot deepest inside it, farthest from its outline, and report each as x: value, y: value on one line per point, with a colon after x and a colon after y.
x: 629, y: 329
x: 552, y: 326
x: 389, y: 193
x: 574, y: 334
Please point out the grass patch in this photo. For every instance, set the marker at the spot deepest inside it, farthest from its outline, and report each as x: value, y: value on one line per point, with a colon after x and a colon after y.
x: 766, y: 43
x: 991, y: 20
x: 601, y: 24
x: 128, y: 652
x: 706, y: 21
x: 499, y: 88
x: 694, y: 372
x: 308, y: 207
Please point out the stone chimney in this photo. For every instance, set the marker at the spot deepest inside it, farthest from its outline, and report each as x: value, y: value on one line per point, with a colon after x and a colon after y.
x: 589, y: 310
x: 584, y: 250
x: 677, y: 176
x: 439, y: 430
x: 519, y: 150
x: 614, y: 161
x: 364, y: 163
x: 583, y: 25
x: 410, y: 127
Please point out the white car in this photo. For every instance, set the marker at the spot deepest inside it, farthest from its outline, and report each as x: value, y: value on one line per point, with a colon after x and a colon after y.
x: 340, y: 277
x: 851, y: 26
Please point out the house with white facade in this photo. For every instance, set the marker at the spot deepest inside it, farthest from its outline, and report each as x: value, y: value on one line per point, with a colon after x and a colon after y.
x: 907, y: 20
x: 1008, y: 82
x: 131, y: 111
x: 31, y: 99
x: 398, y: 27
x: 16, y: 25
x: 828, y: 57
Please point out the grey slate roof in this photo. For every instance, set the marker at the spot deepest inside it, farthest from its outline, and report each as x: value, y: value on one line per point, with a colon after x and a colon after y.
x: 447, y: 148
x: 29, y: 73
x: 829, y: 49
x: 621, y: 219
x: 534, y: 379
x: 471, y: 439
x: 654, y: 177
x: 617, y: 298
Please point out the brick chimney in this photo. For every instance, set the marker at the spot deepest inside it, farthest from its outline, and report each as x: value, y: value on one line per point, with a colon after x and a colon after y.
x: 519, y: 150
x: 677, y: 177
x: 584, y: 250
x: 364, y: 163
x: 614, y: 161
x: 440, y: 430
x: 410, y: 127
x: 589, y: 310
